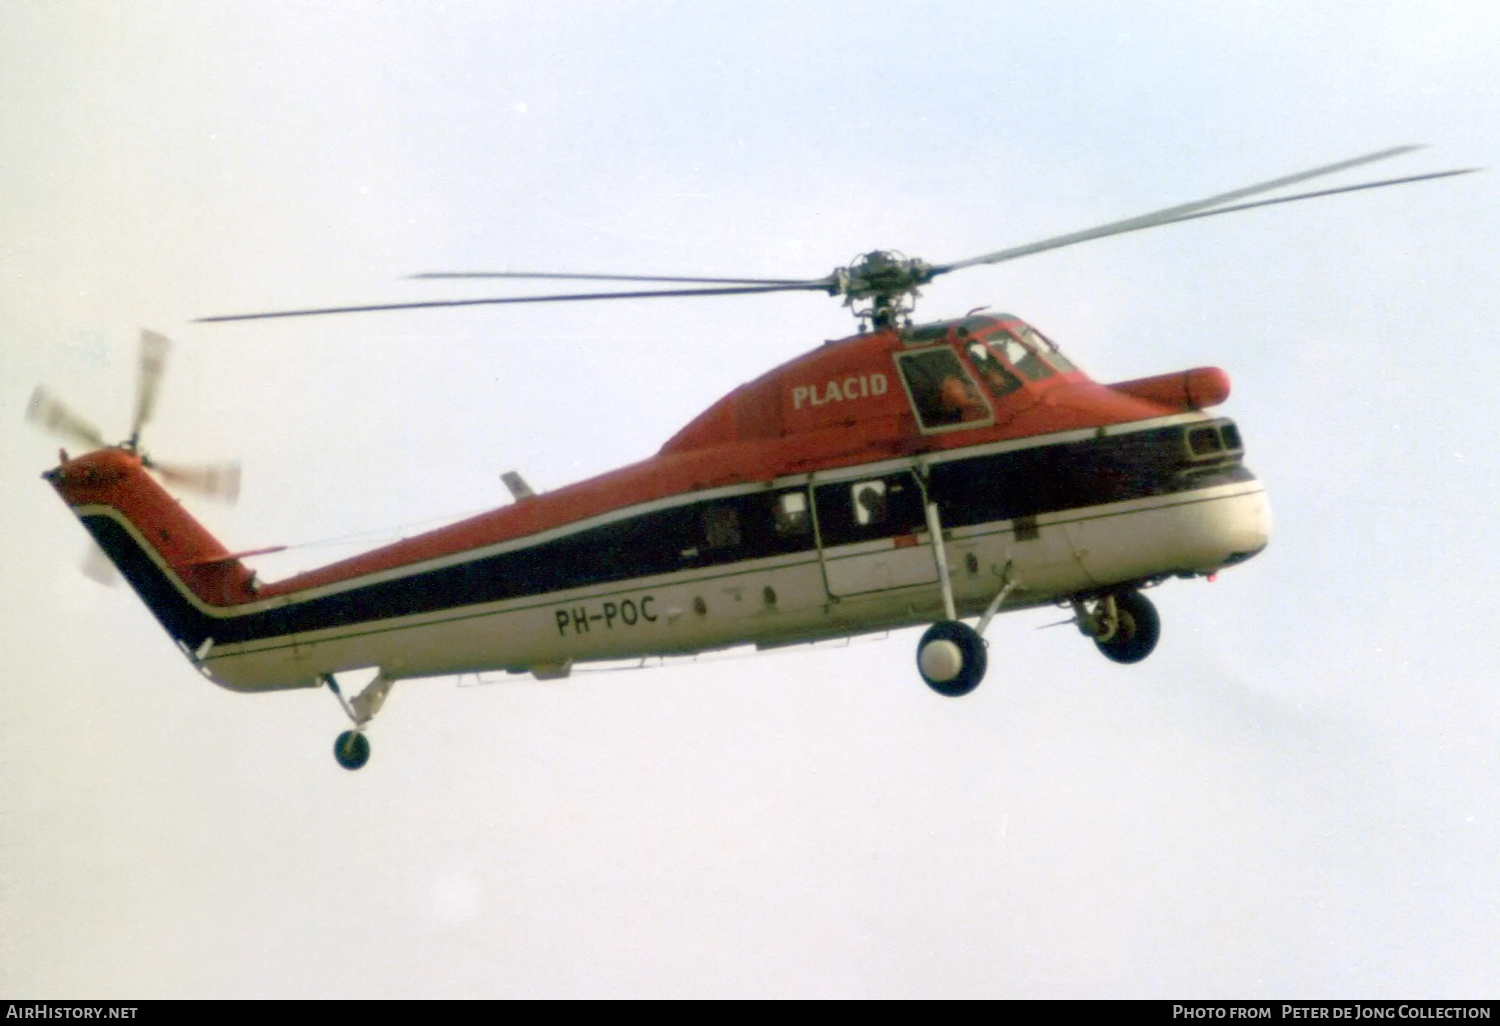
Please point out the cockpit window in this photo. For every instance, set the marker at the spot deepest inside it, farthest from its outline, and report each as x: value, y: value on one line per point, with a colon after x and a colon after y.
x: 942, y: 392
x: 1045, y: 346
x: 997, y: 377
x: 1021, y: 356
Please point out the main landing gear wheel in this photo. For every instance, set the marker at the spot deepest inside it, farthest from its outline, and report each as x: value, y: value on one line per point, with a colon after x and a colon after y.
x: 352, y: 749
x: 951, y: 658
x: 1136, y: 629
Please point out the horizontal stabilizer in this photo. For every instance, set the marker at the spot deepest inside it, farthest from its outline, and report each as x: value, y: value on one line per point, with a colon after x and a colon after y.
x: 230, y: 557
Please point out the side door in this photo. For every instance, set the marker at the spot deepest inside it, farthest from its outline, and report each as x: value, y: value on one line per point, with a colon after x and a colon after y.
x: 867, y: 533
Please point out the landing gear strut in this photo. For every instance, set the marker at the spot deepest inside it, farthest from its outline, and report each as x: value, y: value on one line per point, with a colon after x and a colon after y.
x: 352, y: 748
x: 1124, y: 625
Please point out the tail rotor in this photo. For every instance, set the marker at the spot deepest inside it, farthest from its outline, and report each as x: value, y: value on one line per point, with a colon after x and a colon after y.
x: 51, y: 415
x: 154, y: 348
x: 219, y: 481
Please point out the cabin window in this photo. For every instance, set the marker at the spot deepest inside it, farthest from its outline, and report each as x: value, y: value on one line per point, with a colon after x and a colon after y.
x: 876, y: 507
x: 749, y: 526
x: 942, y: 392
x: 869, y: 503
x: 790, y: 514
x: 721, y: 526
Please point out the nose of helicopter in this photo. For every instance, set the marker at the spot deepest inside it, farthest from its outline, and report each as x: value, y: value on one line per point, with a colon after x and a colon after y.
x: 1243, y: 525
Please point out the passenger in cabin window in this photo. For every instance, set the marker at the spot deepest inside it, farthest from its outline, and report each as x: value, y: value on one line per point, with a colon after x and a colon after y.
x: 790, y: 515
x: 959, y: 401
x: 870, y: 503
x: 941, y: 389
x: 721, y: 527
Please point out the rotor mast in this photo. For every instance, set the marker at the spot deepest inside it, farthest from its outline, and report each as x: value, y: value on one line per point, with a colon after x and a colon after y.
x: 881, y: 286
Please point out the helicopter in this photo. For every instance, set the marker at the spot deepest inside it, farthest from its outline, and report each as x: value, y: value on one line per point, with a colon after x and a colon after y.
x: 912, y: 473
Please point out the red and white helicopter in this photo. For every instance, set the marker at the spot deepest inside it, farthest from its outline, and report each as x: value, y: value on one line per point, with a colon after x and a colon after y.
x: 909, y: 474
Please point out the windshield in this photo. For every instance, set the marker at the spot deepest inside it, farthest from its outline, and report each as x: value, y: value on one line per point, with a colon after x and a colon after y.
x: 1014, y: 354
x: 997, y: 377
x: 1045, y: 346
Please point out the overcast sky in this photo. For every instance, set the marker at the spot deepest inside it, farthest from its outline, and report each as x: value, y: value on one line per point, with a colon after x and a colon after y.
x: 1296, y: 795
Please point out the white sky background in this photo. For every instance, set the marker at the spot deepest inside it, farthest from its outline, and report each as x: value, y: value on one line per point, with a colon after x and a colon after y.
x: 1296, y: 795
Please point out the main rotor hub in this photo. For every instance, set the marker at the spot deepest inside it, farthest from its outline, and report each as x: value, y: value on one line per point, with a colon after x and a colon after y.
x: 885, y: 282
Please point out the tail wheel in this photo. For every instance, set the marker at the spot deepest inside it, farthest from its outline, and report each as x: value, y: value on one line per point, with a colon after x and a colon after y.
x: 951, y: 658
x: 352, y: 749
x: 1137, y: 629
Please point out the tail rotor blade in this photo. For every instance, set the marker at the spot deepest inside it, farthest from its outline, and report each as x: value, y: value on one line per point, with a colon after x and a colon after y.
x: 214, y: 480
x: 154, y: 349
x: 49, y: 413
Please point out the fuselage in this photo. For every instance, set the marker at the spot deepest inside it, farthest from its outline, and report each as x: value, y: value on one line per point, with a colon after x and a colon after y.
x: 793, y: 509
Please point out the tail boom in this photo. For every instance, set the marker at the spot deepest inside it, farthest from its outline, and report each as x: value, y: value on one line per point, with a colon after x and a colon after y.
x: 194, y: 586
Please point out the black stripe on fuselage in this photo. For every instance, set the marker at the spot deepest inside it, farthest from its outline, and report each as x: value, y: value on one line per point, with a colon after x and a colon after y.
x: 182, y: 620
x: 695, y: 534
x: 1074, y: 475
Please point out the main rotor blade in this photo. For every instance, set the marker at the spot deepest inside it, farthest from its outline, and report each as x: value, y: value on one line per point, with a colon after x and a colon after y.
x: 52, y: 415
x: 447, y: 275
x: 1326, y: 192
x: 154, y: 349
x: 821, y: 285
x: 213, y: 480
x: 1168, y: 214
